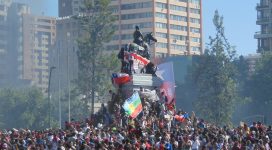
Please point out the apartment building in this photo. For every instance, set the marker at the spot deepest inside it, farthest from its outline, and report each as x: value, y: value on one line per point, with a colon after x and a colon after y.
x: 264, y: 20
x: 25, y: 42
x: 39, y: 35
x: 14, y: 43
x: 3, y: 41
x: 177, y: 24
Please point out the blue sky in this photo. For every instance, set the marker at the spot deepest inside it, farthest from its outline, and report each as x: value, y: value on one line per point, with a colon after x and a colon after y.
x: 239, y: 20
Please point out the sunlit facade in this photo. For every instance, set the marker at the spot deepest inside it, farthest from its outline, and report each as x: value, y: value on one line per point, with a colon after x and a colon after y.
x: 39, y: 35
x: 177, y: 24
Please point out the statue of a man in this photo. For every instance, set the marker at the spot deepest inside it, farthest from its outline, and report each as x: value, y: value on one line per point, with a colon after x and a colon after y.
x: 138, y: 37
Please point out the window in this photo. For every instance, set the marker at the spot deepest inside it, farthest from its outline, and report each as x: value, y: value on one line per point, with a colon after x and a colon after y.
x: 115, y: 37
x: 195, y: 30
x: 178, y: 27
x: 161, y: 35
x: 137, y: 16
x: 178, y: 8
x: 44, y: 20
x: 195, y: 20
x: 178, y: 37
x: 178, y: 18
x: 194, y: 11
x: 114, y: 9
x: 177, y: 47
x: 132, y: 26
x: 126, y: 36
x: 194, y: 39
x: 162, y: 45
x: 43, y: 27
x: 161, y: 25
x: 193, y: 48
x: 195, y: 1
x: 136, y: 5
x: 161, y: 15
x: 161, y: 5
x: 182, y: 1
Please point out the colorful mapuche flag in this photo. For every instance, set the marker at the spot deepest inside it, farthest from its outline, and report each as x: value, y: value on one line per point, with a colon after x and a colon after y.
x: 133, y: 105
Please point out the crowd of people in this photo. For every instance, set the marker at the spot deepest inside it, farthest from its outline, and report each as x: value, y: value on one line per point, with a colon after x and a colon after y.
x: 151, y: 130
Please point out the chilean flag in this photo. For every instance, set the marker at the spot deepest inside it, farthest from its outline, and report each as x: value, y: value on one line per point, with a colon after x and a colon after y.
x: 181, y: 118
x: 166, y: 73
x: 120, y: 78
x: 140, y: 59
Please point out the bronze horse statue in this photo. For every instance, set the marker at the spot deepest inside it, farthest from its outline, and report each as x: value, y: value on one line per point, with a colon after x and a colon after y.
x: 142, y: 49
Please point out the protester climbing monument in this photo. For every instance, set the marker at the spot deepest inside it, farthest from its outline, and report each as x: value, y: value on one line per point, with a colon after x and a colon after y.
x: 140, y: 82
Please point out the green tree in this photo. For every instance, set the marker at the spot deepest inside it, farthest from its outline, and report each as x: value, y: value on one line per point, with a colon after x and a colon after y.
x: 261, y: 85
x: 214, y: 77
x: 96, y: 23
x: 23, y: 108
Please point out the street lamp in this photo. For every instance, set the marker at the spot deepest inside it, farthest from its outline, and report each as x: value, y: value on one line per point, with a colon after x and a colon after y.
x: 49, y: 95
x: 68, y: 77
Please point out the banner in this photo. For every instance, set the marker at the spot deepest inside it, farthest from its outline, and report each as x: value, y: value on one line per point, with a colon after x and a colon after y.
x: 141, y: 60
x: 166, y: 73
x: 133, y: 105
x: 120, y: 78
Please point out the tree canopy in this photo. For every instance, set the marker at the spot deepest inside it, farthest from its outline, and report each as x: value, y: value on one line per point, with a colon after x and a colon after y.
x: 214, y: 78
x: 95, y: 63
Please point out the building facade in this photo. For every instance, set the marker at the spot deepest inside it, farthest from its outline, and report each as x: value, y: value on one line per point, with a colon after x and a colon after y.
x: 177, y: 24
x: 39, y: 36
x: 64, y: 56
x: 14, y: 44
x: 4, y: 4
x: 264, y: 20
x: 68, y: 7
x: 24, y: 46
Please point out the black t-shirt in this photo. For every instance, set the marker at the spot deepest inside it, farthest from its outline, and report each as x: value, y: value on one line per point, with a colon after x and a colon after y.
x: 253, y: 129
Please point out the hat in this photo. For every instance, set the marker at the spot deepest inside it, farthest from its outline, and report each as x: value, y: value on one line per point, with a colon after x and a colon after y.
x: 5, y: 145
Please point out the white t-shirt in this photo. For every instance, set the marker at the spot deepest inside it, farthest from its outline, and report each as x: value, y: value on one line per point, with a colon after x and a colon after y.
x: 196, y: 144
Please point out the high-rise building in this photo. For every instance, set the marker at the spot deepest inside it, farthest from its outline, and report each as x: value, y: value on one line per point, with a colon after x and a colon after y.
x: 177, y: 24
x: 4, y: 4
x: 24, y: 46
x: 39, y: 35
x: 14, y: 44
x: 264, y: 20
